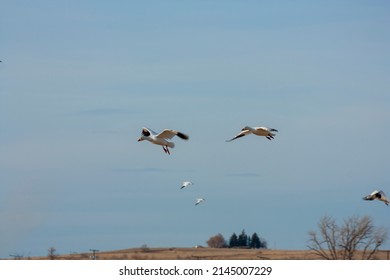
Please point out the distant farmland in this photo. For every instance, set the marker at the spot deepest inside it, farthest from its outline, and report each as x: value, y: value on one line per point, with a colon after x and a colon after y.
x: 200, y: 254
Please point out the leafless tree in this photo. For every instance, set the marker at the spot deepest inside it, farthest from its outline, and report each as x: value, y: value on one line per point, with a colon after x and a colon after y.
x: 144, y: 248
x: 17, y: 256
x: 217, y: 241
x: 344, y: 242
x: 51, y: 253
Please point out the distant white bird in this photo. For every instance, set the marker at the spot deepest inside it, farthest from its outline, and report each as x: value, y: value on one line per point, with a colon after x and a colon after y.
x: 199, y: 200
x: 377, y: 195
x: 161, y: 138
x: 260, y: 131
x: 186, y: 184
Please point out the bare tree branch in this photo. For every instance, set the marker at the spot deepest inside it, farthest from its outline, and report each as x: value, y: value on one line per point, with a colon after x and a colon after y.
x: 356, y: 234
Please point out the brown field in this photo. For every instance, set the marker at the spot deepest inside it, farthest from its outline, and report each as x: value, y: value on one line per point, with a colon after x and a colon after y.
x: 201, y: 254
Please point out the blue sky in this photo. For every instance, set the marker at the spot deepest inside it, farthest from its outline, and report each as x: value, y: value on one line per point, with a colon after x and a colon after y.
x: 79, y: 79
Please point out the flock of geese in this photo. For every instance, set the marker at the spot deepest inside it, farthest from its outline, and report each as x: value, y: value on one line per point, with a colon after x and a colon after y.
x: 163, y: 138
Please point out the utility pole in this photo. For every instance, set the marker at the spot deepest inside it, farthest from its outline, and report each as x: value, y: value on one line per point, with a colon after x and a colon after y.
x: 94, y: 251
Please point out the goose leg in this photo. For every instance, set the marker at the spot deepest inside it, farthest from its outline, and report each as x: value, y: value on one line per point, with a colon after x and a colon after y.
x: 166, y: 150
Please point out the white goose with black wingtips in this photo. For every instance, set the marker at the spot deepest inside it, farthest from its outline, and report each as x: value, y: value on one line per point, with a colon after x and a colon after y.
x: 377, y: 195
x: 259, y: 131
x: 162, y: 137
x: 199, y: 200
x: 186, y: 184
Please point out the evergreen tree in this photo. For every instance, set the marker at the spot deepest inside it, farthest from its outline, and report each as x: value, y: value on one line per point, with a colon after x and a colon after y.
x: 243, y: 239
x: 256, y: 243
x: 233, y: 241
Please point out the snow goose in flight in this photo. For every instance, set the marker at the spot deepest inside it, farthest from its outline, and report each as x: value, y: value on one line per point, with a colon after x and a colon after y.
x: 161, y: 138
x: 378, y: 195
x: 260, y: 131
x: 199, y: 200
x: 186, y: 184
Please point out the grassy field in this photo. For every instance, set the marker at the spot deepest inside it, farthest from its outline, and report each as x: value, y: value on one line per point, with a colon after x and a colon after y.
x: 201, y: 254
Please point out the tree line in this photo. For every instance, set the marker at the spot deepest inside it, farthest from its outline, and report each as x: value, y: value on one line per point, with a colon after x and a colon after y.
x: 238, y: 241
